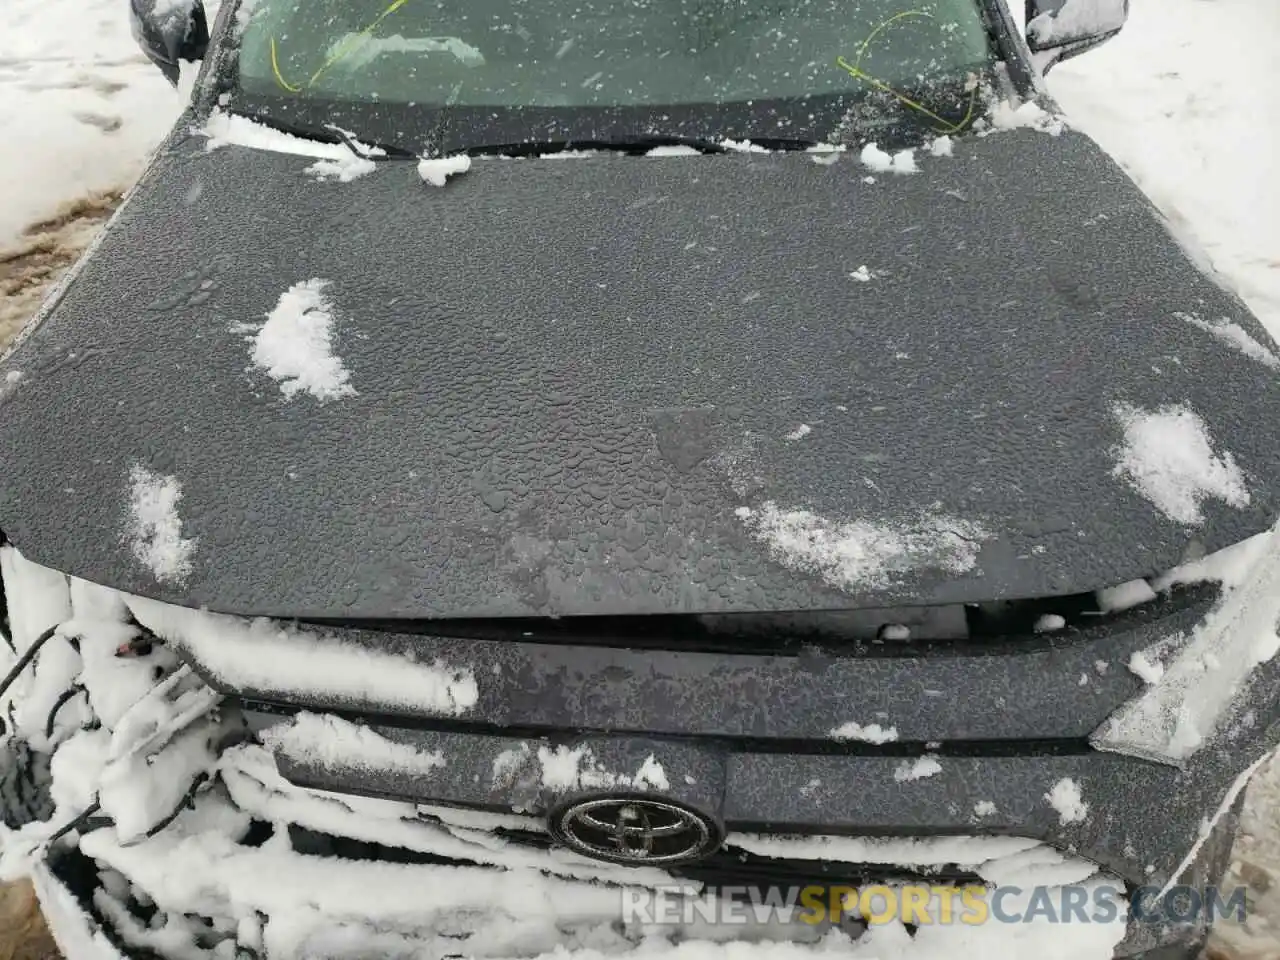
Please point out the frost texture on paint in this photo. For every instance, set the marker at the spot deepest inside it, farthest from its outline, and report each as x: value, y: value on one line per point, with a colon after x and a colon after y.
x: 336, y: 744
x: 271, y: 658
x: 576, y: 768
x: 1234, y: 336
x: 1198, y: 691
x: 294, y: 346
x: 154, y: 530
x: 437, y: 171
x: 1066, y: 799
x: 1168, y: 457
x: 849, y: 554
x: 870, y: 733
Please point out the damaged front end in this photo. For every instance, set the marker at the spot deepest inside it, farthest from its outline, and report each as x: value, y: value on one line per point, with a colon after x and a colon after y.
x: 218, y: 786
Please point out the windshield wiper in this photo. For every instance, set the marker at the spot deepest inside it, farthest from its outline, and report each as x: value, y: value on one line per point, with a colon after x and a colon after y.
x: 637, y: 144
x: 367, y: 150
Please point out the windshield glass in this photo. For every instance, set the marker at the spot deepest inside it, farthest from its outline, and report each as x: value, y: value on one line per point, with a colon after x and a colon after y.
x: 594, y: 68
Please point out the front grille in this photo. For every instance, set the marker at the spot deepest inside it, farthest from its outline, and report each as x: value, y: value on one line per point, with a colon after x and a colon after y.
x: 729, y: 867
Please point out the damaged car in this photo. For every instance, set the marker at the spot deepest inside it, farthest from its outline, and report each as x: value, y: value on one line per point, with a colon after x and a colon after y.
x: 509, y: 469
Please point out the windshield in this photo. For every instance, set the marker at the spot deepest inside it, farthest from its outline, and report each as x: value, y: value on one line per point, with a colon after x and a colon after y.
x: 596, y: 69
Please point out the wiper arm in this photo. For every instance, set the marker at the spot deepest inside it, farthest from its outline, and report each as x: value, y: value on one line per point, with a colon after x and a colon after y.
x: 637, y: 144
x: 366, y: 150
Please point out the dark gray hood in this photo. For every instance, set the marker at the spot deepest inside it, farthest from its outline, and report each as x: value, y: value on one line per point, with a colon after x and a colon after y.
x: 582, y: 386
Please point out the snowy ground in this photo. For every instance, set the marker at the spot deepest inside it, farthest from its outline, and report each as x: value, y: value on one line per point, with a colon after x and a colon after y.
x: 1175, y: 99
x: 80, y: 107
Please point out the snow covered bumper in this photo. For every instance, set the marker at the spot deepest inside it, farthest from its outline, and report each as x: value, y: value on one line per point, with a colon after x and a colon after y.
x: 818, y: 742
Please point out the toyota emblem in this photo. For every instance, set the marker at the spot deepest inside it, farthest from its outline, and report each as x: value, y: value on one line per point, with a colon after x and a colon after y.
x: 636, y: 831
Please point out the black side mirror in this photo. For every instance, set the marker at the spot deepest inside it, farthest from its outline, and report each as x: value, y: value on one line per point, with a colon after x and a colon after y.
x: 169, y: 31
x: 1060, y: 29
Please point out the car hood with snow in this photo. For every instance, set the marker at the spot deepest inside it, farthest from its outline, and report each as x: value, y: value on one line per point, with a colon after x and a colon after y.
x: 615, y: 384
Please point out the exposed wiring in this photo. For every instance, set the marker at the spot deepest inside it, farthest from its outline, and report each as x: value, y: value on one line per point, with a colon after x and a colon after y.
x: 27, y: 656
x: 855, y: 70
x: 58, y: 704
x: 86, y: 817
x: 188, y: 799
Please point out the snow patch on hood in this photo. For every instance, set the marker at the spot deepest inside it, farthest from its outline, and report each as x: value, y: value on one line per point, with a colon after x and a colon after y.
x: 436, y: 171
x: 294, y: 346
x: 1235, y: 336
x: 855, y: 553
x: 232, y: 130
x: 154, y: 530
x: 336, y: 744
x: 343, y: 169
x: 1168, y: 457
x: 269, y: 658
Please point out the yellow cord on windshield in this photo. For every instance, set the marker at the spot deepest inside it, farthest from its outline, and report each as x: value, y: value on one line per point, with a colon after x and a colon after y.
x: 346, y: 48
x: 855, y: 70
x: 275, y: 68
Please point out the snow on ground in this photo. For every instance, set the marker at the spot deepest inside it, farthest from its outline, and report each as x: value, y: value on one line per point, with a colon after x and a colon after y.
x: 1180, y: 99
x: 81, y: 106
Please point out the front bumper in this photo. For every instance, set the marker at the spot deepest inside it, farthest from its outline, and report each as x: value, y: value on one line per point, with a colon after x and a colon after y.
x: 473, y: 733
x: 746, y: 737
